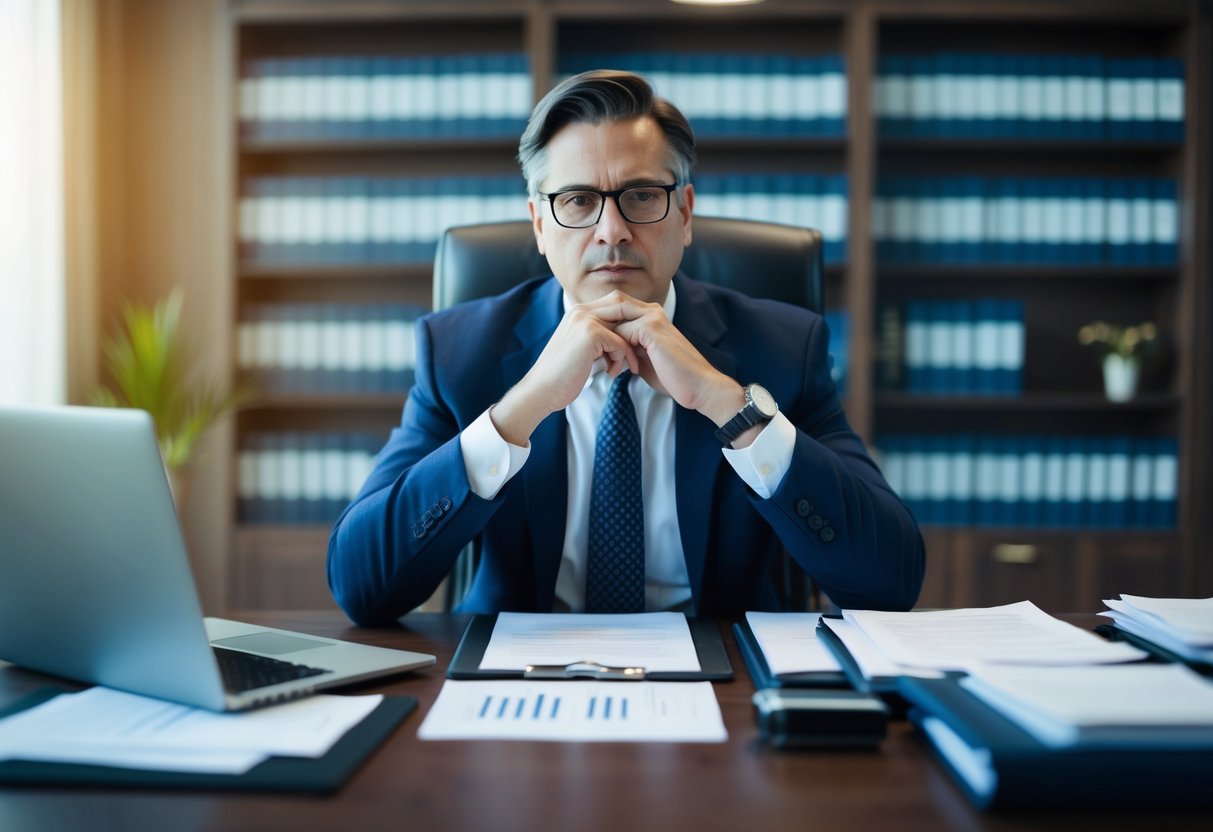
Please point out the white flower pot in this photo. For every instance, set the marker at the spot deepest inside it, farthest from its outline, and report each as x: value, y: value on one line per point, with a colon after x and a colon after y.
x: 1120, y: 377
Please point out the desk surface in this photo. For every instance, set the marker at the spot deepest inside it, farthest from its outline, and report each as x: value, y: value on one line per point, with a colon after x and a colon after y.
x: 408, y: 783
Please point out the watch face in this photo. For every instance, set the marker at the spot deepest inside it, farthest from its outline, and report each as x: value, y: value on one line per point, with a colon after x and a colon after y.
x: 762, y: 400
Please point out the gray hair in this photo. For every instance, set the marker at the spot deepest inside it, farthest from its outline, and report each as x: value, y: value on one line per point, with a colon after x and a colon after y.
x: 592, y: 98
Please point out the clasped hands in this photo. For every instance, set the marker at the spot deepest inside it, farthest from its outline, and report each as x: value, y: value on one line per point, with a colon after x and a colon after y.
x: 627, y: 333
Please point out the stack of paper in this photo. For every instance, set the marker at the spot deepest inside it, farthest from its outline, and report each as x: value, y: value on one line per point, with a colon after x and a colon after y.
x: 100, y: 726
x: 1141, y: 704
x: 921, y: 643
x: 1184, y: 626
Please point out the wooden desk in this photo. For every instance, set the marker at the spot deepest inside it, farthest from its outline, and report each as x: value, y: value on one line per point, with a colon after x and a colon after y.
x: 443, y: 786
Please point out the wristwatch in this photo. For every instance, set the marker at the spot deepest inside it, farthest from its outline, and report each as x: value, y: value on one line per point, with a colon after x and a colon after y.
x: 760, y: 408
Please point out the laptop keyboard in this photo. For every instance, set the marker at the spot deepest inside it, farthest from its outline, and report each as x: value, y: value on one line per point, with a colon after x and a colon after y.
x: 245, y: 671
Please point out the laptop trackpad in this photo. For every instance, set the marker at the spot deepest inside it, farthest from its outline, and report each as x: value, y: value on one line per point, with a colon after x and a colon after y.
x: 270, y: 644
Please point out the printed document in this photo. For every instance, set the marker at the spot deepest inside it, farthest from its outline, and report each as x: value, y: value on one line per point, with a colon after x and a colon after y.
x: 1149, y: 704
x: 1019, y: 633
x: 789, y: 642
x: 101, y: 726
x: 656, y: 641
x: 577, y: 711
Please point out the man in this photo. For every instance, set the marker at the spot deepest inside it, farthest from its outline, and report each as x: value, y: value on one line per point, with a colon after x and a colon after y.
x: 521, y: 400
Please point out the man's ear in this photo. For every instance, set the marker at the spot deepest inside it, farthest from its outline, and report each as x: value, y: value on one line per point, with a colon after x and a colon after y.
x: 536, y: 224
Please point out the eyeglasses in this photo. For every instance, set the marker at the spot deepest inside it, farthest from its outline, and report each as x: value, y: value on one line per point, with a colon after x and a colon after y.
x: 640, y: 204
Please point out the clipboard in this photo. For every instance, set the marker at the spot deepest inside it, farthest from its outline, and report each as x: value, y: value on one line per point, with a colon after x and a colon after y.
x: 324, y: 774
x: 714, y: 664
x: 760, y: 671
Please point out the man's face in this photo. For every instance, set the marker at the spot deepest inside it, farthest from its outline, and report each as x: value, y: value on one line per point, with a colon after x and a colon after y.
x: 639, y: 259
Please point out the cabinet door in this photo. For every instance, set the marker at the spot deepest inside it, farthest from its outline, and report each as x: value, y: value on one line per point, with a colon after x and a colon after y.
x: 993, y: 569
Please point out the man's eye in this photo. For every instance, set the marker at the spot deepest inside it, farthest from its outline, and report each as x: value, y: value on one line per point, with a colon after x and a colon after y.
x: 642, y: 196
x: 577, y: 200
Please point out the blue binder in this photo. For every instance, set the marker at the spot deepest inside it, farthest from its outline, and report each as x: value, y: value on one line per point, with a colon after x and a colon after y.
x: 998, y: 765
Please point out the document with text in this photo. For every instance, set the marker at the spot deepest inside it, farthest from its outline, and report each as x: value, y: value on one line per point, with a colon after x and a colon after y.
x: 101, y: 726
x: 789, y: 642
x: 577, y: 711
x: 1018, y: 633
x: 656, y: 641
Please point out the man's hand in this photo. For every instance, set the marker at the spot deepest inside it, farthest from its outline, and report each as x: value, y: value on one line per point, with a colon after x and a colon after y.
x: 670, y: 363
x: 585, y: 334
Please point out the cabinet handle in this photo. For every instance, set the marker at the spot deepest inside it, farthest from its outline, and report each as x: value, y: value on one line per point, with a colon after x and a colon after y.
x: 1015, y: 553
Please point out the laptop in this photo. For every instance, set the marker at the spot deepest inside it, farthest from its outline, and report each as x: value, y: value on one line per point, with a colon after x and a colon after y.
x: 95, y: 582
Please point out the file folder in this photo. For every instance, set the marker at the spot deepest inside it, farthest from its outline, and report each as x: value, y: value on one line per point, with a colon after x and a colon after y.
x: 760, y: 671
x: 1113, y: 633
x: 277, y: 774
x: 714, y: 664
x: 883, y: 686
x: 998, y: 765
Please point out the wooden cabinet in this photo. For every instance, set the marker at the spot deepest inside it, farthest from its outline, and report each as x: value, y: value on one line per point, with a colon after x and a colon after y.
x: 363, y: 129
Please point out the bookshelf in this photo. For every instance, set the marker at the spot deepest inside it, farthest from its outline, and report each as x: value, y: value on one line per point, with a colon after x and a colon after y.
x: 885, y: 147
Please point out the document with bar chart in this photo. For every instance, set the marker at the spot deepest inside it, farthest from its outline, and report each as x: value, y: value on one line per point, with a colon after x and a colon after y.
x: 575, y: 712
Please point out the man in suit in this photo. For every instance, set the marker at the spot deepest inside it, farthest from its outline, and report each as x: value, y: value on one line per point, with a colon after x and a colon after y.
x: 739, y: 446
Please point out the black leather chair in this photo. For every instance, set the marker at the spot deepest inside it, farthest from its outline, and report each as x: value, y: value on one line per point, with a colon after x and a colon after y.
x: 766, y: 260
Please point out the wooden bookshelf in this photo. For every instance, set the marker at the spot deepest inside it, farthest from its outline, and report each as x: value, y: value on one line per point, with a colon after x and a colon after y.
x: 1061, y: 569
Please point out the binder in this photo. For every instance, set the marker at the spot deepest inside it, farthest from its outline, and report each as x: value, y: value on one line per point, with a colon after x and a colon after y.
x: 1113, y: 633
x: 1000, y: 766
x: 714, y: 662
x: 885, y: 687
x: 277, y: 774
x: 760, y: 671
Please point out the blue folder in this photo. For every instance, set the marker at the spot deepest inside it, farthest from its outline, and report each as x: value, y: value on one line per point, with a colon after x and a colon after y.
x: 998, y: 765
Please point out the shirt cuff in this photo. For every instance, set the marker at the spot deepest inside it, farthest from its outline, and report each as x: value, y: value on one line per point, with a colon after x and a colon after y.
x: 490, y: 460
x: 764, y: 462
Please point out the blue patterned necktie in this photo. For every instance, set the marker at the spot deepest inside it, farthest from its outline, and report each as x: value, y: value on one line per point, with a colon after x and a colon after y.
x: 614, y: 580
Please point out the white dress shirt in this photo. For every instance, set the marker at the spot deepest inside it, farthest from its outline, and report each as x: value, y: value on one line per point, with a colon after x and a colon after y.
x: 491, y: 462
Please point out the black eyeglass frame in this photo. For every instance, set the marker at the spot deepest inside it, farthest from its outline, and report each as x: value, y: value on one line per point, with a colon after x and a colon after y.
x: 615, y: 195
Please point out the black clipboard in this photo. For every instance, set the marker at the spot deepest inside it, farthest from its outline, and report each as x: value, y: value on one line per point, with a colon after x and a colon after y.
x: 714, y: 664
x: 760, y: 671
x: 277, y: 774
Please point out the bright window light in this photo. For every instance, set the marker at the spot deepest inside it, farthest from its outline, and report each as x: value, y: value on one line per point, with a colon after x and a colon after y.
x: 32, y: 329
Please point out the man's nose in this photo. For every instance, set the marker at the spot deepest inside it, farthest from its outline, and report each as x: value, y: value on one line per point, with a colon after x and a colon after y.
x: 612, y: 228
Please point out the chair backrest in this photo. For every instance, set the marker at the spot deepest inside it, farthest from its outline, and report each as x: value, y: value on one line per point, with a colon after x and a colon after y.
x: 761, y: 259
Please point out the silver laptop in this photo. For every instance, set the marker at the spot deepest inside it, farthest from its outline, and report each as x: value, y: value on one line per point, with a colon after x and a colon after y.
x: 95, y: 583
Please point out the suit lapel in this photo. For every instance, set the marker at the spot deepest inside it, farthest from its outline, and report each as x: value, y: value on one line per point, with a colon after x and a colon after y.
x: 696, y: 458
x: 545, y: 477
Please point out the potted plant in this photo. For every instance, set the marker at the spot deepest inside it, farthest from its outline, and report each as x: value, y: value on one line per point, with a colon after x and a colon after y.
x: 149, y: 365
x: 1122, y: 348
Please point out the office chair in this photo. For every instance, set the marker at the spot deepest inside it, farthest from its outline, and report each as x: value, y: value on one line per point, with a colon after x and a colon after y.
x: 761, y: 259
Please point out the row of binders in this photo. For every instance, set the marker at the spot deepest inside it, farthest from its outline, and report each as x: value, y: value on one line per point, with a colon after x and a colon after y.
x: 1022, y: 709
x: 1109, y: 482
x: 359, y: 219
x: 327, y: 97
x: 327, y: 348
x: 736, y: 94
x: 288, y: 220
x: 968, y: 95
x: 964, y: 347
x: 802, y: 199
x: 1035, y: 220
x: 298, y: 477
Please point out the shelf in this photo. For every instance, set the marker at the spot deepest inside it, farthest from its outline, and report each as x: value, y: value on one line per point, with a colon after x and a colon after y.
x: 1050, y: 147
x: 256, y: 146
x: 1029, y: 403
x: 329, y: 271
x: 331, y: 401
x: 1028, y: 271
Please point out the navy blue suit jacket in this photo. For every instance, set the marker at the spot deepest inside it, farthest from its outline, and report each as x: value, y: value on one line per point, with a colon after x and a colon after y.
x: 833, y: 511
